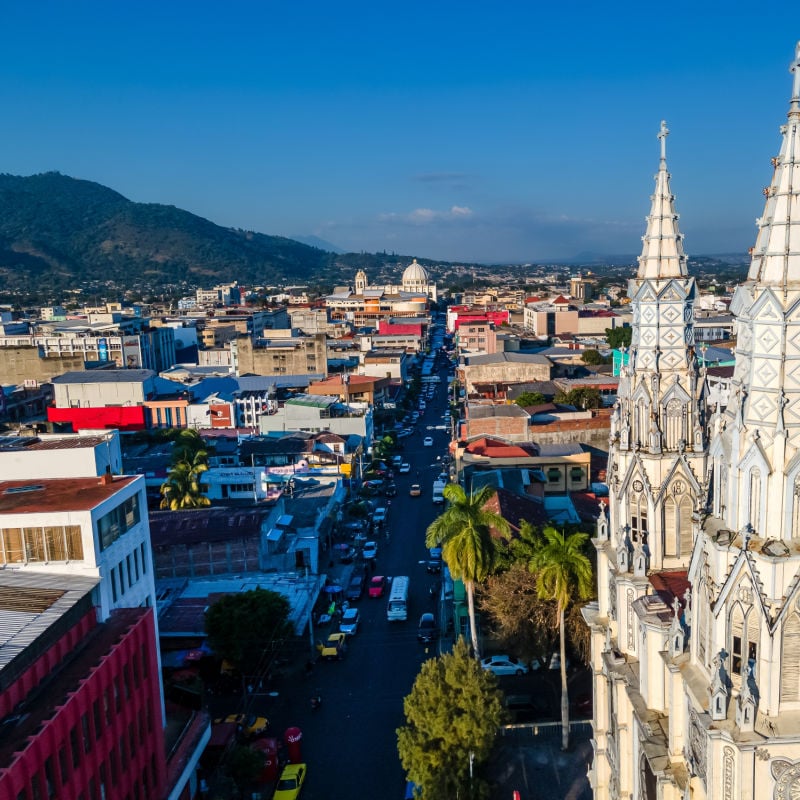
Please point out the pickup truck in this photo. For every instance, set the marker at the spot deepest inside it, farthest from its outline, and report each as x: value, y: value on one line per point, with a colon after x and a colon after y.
x: 438, y: 492
x: 334, y: 648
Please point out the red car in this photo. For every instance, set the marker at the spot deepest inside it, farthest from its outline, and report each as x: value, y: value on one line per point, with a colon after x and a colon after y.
x: 376, y: 586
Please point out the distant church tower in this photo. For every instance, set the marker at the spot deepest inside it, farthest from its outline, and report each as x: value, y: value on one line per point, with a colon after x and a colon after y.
x: 657, y: 458
x: 361, y: 282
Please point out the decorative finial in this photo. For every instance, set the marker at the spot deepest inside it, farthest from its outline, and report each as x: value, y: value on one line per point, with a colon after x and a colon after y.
x: 662, y: 135
x: 794, y: 68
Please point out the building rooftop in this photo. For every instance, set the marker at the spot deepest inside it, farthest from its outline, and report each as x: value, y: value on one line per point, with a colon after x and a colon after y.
x: 480, y: 411
x: 105, y: 376
x: 58, y: 494
x: 10, y: 443
x: 509, y: 358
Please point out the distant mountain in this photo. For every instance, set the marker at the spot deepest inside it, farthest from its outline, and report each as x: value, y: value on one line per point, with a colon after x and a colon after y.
x: 60, y: 233
x: 322, y: 244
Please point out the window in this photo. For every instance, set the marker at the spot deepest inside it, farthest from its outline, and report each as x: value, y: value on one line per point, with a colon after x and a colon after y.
x: 56, y: 543
x: 98, y: 719
x: 107, y: 705
x: 638, y: 511
x: 12, y: 545
x: 553, y: 475
x: 75, y: 746
x: 144, y: 559
x: 113, y: 585
x: 576, y: 474
x: 63, y: 764
x: 50, y: 776
x: 118, y: 521
x: 790, y: 660
x: 74, y: 542
x: 34, y: 544
x: 121, y: 578
x: 87, y: 734
x: 130, y: 569
x: 136, y: 563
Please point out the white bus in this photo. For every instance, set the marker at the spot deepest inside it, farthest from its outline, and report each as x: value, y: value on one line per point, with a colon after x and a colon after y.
x: 397, y: 608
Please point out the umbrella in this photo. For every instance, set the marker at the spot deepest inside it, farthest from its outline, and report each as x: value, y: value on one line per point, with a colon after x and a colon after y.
x: 333, y: 588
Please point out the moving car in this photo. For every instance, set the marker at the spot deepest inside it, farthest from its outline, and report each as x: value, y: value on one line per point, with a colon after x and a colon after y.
x: 290, y: 782
x: 427, y: 631
x: 428, y: 441
x: 379, y: 517
x: 405, y: 467
x: 390, y: 490
x: 355, y: 588
x: 416, y: 490
x: 349, y: 623
x: 504, y: 665
x: 377, y: 586
x: 334, y: 647
x: 370, y: 550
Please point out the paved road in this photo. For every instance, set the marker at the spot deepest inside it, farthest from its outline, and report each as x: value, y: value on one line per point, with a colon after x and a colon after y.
x: 350, y: 742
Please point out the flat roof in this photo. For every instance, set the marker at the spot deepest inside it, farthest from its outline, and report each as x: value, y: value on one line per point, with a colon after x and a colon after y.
x: 105, y: 376
x: 500, y: 358
x: 58, y: 494
x: 476, y: 411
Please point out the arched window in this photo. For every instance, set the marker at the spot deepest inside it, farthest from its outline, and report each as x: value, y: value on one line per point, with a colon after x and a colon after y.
x: 795, y: 508
x: 700, y: 601
x: 744, y: 634
x: 674, y: 424
x: 755, y: 499
x: 642, y: 423
x: 790, y: 659
x: 678, y: 521
x: 638, y: 512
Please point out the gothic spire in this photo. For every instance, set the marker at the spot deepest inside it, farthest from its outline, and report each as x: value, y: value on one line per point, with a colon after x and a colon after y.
x: 662, y: 252
x: 776, y: 255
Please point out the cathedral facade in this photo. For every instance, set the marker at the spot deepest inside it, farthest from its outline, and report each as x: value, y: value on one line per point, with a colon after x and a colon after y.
x: 696, y: 630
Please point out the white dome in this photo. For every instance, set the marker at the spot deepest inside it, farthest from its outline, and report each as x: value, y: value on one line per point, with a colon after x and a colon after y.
x: 415, y: 274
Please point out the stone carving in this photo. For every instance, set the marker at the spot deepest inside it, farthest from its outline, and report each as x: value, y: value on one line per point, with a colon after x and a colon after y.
x: 728, y: 781
x: 629, y: 615
x: 787, y: 779
x: 697, y: 745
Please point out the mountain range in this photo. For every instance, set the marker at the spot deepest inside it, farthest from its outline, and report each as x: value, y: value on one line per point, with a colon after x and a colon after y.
x: 60, y: 232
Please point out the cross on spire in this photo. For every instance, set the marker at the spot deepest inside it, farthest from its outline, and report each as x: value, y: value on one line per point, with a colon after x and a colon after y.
x: 794, y: 67
x: 662, y: 135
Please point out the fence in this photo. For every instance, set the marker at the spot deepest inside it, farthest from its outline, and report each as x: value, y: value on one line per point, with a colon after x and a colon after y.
x: 545, y: 730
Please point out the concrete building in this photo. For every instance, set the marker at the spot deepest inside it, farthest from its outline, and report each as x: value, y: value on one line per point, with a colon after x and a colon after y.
x: 367, y: 389
x: 476, y: 337
x: 394, y: 364
x: 314, y: 413
x: 507, y: 421
x: 280, y: 354
x: 503, y: 369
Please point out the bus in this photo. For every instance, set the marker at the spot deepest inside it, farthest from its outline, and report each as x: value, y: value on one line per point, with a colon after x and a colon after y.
x: 397, y: 608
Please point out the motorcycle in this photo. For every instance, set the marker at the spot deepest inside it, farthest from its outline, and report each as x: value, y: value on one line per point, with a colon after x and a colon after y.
x: 316, y: 701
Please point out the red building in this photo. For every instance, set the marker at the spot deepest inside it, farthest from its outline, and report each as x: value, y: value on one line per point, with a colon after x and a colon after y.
x: 400, y: 328
x: 80, y: 708
x: 124, y: 418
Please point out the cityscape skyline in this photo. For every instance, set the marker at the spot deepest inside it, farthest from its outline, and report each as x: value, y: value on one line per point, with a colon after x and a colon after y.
x: 469, y: 134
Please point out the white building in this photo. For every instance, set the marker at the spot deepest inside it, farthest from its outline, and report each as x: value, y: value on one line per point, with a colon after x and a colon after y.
x: 697, y: 691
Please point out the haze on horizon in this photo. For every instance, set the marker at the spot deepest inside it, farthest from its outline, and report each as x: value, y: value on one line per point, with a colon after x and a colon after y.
x: 457, y: 131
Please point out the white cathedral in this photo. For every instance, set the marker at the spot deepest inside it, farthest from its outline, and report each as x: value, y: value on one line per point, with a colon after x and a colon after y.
x: 696, y: 629
x: 415, y: 280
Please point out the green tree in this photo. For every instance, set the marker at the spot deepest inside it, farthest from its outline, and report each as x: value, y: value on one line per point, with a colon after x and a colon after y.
x: 527, y: 399
x: 182, y: 487
x: 619, y: 337
x: 582, y: 397
x: 249, y: 628
x: 564, y: 574
x: 463, y: 531
x: 592, y: 357
x: 243, y: 766
x: 452, y: 714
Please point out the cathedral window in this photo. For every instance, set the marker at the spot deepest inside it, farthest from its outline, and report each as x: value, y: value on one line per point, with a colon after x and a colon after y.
x: 703, y: 611
x: 678, y: 521
x: 790, y: 659
x: 743, y: 638
x: 638, y: 510
x: 755, y: 499
x: 795, y: 532
x: 642, y: 423
x: 675, y: 424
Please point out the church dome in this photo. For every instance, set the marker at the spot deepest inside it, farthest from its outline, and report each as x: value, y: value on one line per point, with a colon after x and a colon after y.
x: 415, y: 274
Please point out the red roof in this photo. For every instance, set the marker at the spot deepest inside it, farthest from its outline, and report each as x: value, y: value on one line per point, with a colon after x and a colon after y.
x: 494, y: 448
x: 670, y: 584
x: 561, y: 301
x: 514, y: 508
x: 57, y: 494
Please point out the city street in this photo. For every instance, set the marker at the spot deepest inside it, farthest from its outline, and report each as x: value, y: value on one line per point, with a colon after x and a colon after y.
x: 350, y: 743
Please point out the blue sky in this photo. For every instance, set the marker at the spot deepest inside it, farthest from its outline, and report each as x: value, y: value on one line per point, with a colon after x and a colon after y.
x: 520, y: 131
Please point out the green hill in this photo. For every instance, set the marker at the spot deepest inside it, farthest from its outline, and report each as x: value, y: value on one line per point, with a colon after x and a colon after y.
x: 60, y: 233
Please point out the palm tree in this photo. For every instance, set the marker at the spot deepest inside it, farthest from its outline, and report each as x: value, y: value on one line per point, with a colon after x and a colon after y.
x: 564, y: 574
x: 463, y: 531
x: 181, y: 489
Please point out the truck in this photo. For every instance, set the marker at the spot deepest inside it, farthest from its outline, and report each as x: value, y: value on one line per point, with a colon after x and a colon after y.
x: 334, y: 647
x: 438, y: 492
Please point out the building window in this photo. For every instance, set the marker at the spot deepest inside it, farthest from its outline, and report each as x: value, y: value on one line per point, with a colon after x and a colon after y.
x: 75, y: 746
x: 553, y: 475
x: 63, y: 764
x: 113, y: 586
x: 98, y: 719
x: 121, y: 578
x: 87, y: 734
x: 144, y: 558
x: 576, y: 474
x: 50, y: 777
x: 118, y: 521
x: 130, y: 569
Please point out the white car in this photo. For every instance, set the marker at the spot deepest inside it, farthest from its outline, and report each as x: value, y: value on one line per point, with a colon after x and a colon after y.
x: 504, y: 665
x: 370, y: 550
x: 405, y: 467
x: 379, y: 517
x: 349, y: 623
x: 428, y: 441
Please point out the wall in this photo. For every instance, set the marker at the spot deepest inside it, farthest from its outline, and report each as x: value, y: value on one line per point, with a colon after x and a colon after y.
x: 125, y: 418
x: 18, y: 364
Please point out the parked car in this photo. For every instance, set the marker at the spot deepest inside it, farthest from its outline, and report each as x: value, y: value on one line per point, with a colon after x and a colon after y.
x: 504, y: 665
x: 427, y: 631
x: 349, y: 622
x: 290, y: 782
x: 405, y: 468
x: 248, y: 724
x: 377, y: 586
x: 379, y: 516
x: 370, y: 550
x: 355, y: 588
x: 428, y: 441
x: 555, y: 661
x: 416, y: 490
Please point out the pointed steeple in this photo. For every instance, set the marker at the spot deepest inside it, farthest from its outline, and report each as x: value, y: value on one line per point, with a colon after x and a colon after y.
x: 776, y: 255
x: 662, y: 252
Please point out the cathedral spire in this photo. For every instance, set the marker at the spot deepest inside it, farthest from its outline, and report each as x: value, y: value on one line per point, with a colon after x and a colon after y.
x: 776, y: 255
x: 662, y: 252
